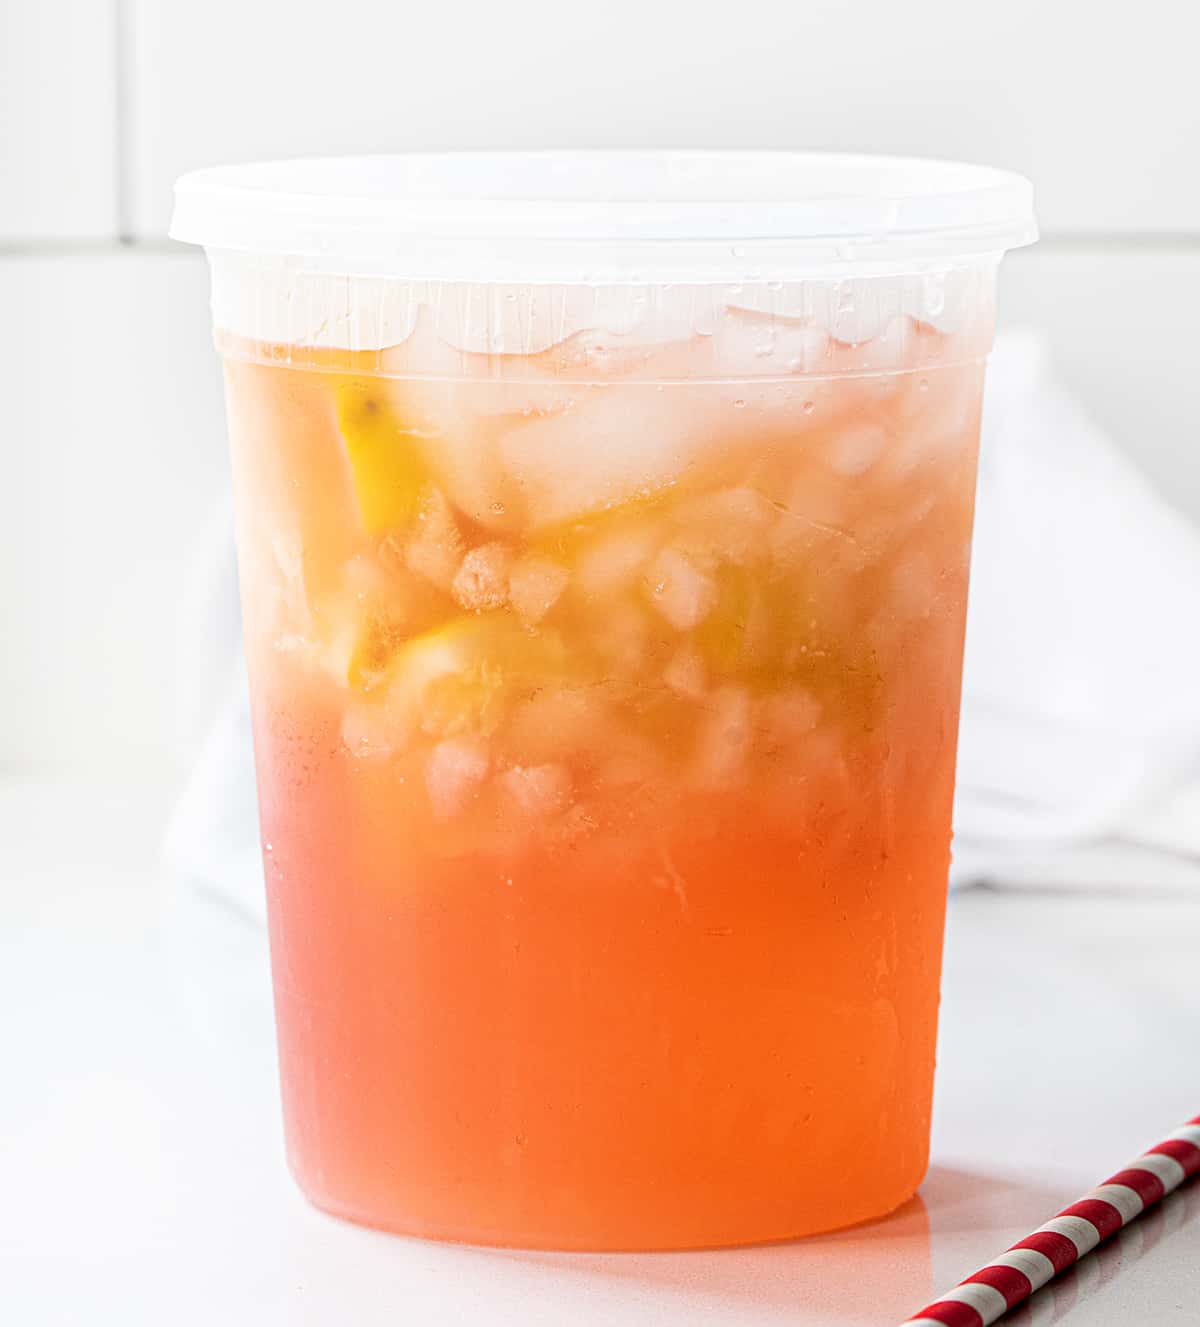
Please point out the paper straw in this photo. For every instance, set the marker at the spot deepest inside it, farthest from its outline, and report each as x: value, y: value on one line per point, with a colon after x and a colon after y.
x: 1026, y: 1267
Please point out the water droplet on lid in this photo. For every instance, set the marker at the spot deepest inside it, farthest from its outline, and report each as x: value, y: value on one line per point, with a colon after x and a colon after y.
x: 923, y: 385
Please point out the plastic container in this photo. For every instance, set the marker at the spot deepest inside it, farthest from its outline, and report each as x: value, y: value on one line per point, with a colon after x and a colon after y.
x: 604, y: 524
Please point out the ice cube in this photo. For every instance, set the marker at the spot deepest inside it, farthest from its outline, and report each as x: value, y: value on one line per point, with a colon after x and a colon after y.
x: 741, y: 632
x: 868, y: 339
x: 789, y: 715
x: 853, y: 451
x: 888, y: 523
x: 535, y: 585
x: 481, y: 582
x: 456, y: 440
x: 682, y: 594
x: 537, y: 792
x: 750, y: 344
x: 914, y: 586
x: 620, y: 443
x: 286, y: 578
x: 730, y: 524
x: 612, y: 561
x: 623, y: 638
x: 434, y: 548
x: 936, y: 419
x: 453, y: 774
x: 558, y: 724
x: 364, y: 732
x: 469, y: 701
x: 625, y: 442
x: 817, y: 523
x: 724, y: 738
x: 518, y: 440
x: 365, y: 621
x: 686, y: 673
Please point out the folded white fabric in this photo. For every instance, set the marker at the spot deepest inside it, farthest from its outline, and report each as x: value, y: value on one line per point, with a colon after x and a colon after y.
x: 1079, y: 752
x: 212, y: 837
x: 1081, y: 704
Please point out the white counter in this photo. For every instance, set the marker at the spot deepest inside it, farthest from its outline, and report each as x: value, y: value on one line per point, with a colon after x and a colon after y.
x: 141, y: 1166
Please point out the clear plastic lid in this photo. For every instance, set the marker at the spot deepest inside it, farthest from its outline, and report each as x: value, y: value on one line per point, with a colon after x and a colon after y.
x: 607, y: 216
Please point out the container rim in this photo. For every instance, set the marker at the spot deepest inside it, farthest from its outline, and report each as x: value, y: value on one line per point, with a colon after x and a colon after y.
x: 720, y: 212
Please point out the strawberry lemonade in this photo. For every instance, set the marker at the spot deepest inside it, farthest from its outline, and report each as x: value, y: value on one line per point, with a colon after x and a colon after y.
x: 605, y: 675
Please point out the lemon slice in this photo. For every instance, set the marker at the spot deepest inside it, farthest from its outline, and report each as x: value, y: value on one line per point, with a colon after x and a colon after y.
x: 385, y: 458
x: 463, y: 677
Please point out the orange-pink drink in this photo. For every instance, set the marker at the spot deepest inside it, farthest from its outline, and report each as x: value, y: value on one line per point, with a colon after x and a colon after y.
x: 605, y: 707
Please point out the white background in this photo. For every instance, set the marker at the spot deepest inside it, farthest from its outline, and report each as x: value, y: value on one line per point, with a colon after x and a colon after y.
x: 113, y: 430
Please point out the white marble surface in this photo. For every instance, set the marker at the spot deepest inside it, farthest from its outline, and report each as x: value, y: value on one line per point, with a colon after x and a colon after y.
x: 141, y: 1162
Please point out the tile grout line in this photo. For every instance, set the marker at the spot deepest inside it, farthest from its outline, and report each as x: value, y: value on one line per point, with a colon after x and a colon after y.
x: 122, y: 31
x: 95, y: 247
x: 1063, y: 244
x: 1074, y: 241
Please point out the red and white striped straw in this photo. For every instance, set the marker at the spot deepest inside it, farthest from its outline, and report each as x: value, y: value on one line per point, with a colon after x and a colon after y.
x: 1014, y: 1276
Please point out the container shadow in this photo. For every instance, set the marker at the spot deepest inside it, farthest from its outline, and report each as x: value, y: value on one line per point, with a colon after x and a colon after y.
x: 879, y: 1271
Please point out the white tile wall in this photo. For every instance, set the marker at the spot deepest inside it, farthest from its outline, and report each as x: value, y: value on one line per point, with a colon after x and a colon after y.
x: 114, y: 437
x: 1101, y: 111
x: 114, y: 431
x: 58, y: 119
x: 1123, y: 325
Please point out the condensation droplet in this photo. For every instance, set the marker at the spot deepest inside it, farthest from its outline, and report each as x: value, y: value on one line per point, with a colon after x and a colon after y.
x: 739, y: 404
x: 923, y: 385
x: 497, y: 508
x: 808, y: 407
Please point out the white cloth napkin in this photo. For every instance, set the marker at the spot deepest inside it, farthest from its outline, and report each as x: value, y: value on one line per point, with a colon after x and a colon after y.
x: 1081, y: 703
x: 1079, y: 751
